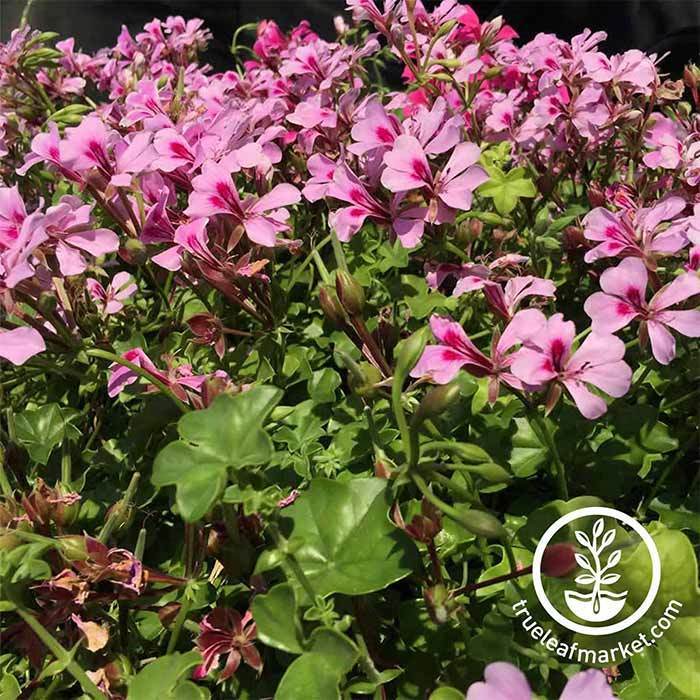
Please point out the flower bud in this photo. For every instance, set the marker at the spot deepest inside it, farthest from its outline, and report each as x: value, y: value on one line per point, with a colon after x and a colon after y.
x: 66, y: 505
x: 331, y: 307
x: 492, y: 472
x: 73, y: 547
x: 8, y: 542
x: 691, y: 76
x: 350, y: 293
x: 558, y: 560
x: 438, y: 603
x: 437, y: 400
x: 408, y: 352
x: 446, y: 28
x: 596, y: 196
x: 363, y: 378
x: 340, y: 25
x: 133, y: 252
x: 482, y: 524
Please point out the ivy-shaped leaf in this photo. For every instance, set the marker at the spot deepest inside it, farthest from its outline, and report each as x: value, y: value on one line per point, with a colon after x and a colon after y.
x: 166, y: 679
x: 506, y: 189
x: 227, y: 434
x: 346, y: 542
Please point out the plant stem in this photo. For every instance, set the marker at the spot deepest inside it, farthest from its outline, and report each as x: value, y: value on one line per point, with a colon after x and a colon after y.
x: 61, y: 654
x: 406, y: 436
x: 338, y: 252
x: 492, y: 581
x: 119, y: 509
x: 562, y: 487
x: 179, y: 622
x: 281, y: 543
x: 66, y: 463
x: 106, y: 355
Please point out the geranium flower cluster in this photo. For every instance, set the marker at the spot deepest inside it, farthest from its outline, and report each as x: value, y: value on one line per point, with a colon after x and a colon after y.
x: 533, y: 207
x: 196, y: 172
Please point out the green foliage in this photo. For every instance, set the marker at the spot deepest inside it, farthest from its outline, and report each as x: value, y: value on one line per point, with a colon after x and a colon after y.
x: 343, y: 539
x: 229, y: 434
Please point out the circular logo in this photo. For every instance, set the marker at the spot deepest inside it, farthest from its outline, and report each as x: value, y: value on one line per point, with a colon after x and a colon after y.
x: 597, y: 557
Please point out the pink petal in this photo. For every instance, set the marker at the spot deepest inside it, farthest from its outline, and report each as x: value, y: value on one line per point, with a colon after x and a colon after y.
x: 525, y: 325
x: 588, y: 685
x: 440, y: 363
x: 663, y: 344
x: 533, y: 367
x: 628, y: 280
x: 685, y: 322
x: 98, y: 242
x: 261, y: 230
x: 19, y: 344
x: 70, y: 260
x: 170, y: 259
x: 682, y: 288
x: 608, y: 313
x: 590, y: 405
x: 280, y: 196
x: 407, y: 167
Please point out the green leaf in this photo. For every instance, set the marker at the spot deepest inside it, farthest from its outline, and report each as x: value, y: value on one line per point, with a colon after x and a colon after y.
x: 40, y: 431
x: 166, y: 679
x: 347, y: 542
x: 506, y: 189
x: 9, y: 687
x: 528, y: 454
x: 275, y: 614
x: 322, y: 385
x: 648, y: 681
x: 227, y: 434
x: 316, y: 675
x: 446, y: 693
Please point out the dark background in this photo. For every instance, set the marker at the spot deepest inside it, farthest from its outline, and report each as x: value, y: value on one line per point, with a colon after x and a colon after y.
x: 652, y: 25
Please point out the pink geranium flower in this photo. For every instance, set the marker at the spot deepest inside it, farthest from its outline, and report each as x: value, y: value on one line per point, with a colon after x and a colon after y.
x: 548, y: 357
x: 407, y: 223
x: 111, y: 300
x: 441, y: 363
x: 641, y: 233
x: 375, y: 130
x: 503, y: 681
x: 69, y: 225
x: 505, y: 301
x: 88, y: 146
x: 623, y: 299
x: 261, y: 217
x: 223, y: 632
x: 408, y: 169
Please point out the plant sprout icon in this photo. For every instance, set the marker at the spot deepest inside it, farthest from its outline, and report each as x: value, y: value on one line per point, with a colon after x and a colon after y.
x: 598, y: 605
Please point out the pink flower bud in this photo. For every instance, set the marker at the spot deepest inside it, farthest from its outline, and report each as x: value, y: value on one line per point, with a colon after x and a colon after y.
x: 558, y: 560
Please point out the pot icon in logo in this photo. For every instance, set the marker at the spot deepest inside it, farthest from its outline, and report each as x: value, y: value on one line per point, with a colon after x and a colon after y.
x: 600, y: 604
x: 596, y: 601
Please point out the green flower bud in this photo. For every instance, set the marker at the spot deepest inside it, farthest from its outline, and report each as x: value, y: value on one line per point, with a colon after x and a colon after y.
x: 73, y: 547
x: 133, y: 252
x: 331, y: 307
x: 350, y: 293
x: 363, y: 379
x: 482, y: 524
x: 437, y: 400
x: 492, y: 472
x: 407, y: 354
